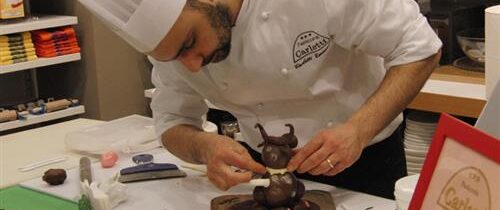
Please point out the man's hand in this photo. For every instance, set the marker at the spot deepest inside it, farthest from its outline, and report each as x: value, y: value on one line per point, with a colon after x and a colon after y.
x: 331, y: 151
x: 221, y: 154
x: 335, y: 149
x: 229, y: 164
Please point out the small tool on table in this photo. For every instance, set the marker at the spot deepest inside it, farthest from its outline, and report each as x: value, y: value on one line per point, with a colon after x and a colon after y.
x: 147, y: 170
x: 39, y: 164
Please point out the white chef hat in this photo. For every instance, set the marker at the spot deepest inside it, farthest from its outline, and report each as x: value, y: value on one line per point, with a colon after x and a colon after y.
x: 142, y: 23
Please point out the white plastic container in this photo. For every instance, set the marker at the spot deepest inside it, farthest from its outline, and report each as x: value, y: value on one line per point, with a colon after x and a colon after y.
x: 130, y: 134
x: 404, y: 189
x: 209, y: 127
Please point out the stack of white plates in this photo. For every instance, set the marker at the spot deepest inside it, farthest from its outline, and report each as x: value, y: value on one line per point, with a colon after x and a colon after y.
x: 420, y: 128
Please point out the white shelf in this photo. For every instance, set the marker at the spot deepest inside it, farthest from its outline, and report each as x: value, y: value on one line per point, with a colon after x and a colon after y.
x: 39, y: 62
x: 456, y: 89
x: 34, y: 119
x: 43, y: 21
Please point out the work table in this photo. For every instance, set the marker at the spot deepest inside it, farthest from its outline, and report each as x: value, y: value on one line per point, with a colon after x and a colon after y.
x: 192, y: 192
x: 23, y: 148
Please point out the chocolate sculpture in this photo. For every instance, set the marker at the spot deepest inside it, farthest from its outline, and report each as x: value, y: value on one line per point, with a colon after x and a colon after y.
x: 285, y: 190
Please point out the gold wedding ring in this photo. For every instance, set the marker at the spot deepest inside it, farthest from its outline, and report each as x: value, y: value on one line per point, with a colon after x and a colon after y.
x: 330, y: 163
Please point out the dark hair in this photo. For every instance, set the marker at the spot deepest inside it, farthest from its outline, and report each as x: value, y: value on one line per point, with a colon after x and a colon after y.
x: 218, y: 14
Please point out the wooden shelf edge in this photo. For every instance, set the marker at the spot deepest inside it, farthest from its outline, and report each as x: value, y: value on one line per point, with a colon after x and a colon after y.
x: 449, y: 104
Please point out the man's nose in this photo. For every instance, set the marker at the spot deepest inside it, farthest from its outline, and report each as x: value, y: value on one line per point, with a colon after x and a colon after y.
x: 191, y: 61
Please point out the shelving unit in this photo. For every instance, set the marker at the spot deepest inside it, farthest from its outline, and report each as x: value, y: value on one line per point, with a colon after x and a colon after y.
x: 39, y: 62
x: 31, y: 24
x: 34, y: 119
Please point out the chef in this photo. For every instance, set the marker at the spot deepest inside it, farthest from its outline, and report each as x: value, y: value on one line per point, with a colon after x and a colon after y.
x: 340, y: 71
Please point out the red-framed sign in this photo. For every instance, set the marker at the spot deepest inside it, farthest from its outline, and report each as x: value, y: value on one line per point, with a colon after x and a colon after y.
x: 461, y: 170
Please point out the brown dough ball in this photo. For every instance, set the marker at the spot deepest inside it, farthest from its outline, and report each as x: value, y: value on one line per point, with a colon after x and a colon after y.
x: 54, y: 176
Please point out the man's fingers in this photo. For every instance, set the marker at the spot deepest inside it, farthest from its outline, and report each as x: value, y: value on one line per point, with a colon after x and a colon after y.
x: 218, y: 181
x: 244, y: 161
x: 326, y: 166
x: 233, y: 177
x: 225, y: 177
x: 320, y: 169
x: 217, y: 174
x: 303, y: 153
x: 232, y: 165
x: 339, y: 167
x: 314, y: 160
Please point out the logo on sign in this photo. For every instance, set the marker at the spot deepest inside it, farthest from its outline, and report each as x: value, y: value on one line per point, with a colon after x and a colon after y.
x: 309, y: 46
x: 467, y: 189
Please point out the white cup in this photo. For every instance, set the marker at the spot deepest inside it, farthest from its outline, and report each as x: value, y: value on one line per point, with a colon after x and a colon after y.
x: 403, y: 191
x: 209, y: 127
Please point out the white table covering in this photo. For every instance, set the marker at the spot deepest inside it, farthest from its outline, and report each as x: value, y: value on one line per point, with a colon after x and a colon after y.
x: 191, y: 192
x: 23, y: 148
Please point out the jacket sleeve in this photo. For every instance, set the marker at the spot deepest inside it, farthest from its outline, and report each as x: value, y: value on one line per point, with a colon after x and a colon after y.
x: 392, y: 29
x: 174, y: 102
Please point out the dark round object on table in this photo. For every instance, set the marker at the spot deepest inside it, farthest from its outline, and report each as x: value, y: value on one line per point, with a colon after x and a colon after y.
x: 54, y: 176
x: 143, y: 159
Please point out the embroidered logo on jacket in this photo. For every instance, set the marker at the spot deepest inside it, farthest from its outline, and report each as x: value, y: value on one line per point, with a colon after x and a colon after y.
x: 308, y: 46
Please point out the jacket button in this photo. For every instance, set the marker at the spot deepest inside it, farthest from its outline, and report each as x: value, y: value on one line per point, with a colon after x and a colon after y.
x: 224, y: 86
x: 260, y: 106
x: 284, y: 71
x: 265, y: 15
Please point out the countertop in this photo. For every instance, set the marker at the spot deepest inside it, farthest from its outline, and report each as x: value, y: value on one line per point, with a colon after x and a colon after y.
x: 23, y: 148
x: 192, y: 192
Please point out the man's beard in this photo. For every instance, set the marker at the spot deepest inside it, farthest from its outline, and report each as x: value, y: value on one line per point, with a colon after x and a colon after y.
x: 218, y: 55
x: 219, y: 18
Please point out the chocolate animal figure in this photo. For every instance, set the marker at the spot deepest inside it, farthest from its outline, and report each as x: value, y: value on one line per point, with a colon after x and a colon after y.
x: 277, y: 151
x: 285, y: 189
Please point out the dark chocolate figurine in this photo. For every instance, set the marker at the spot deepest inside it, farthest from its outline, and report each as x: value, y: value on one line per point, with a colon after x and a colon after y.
x: 285, y: 190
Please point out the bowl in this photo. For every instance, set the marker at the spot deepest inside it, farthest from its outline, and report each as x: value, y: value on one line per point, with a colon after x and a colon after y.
x: 472, y: 44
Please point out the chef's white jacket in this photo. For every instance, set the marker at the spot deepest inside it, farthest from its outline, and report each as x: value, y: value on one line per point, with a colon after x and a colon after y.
x: 311, y: 63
